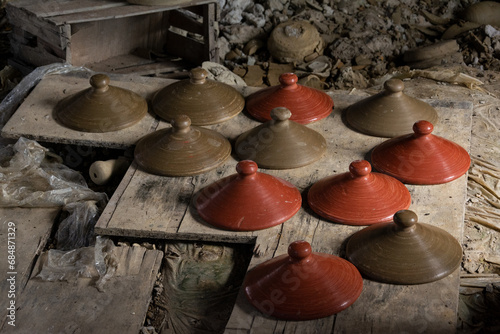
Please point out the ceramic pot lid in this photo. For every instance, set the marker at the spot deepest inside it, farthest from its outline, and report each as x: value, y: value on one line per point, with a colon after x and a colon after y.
x: 358, y: 197
x: 101, y: 108
x: 421, y: 157
x: 404, y: 251
x: 181, y: 150
x: 281, y: 143
x: 303, y: 285
x: 203, y: 100
x: 248, y: 200
x: 306, y: 104
x: 390, y: 113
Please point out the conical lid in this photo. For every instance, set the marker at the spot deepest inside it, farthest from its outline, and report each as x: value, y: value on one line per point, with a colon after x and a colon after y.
x: 404, y: 251
x: 421, y: 157
x: 281, y: 143
x: 303, y: 285
x: 181, y: 150
x: 203, y: 100
x: 358, y: 197
x: 306, y: 104
x: 248, y: 200
x: 101, y: 108
x: 389, y: 113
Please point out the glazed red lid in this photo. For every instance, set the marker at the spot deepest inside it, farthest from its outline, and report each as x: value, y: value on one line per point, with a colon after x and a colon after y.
x: 404, y: 251
x: 359, y: 197
x: 182, y: 150
x: 303, y: 285
x: 306, y: 104
x: 248, y: 200
x: 281, y: 143
x: 389, y: 113
x: 421, y: 157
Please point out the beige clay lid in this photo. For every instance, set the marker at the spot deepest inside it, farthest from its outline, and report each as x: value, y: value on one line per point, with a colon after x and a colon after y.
x: 389, y: 113
x: 203, y: 100
x: 101, y: 108
x: 182, y: 150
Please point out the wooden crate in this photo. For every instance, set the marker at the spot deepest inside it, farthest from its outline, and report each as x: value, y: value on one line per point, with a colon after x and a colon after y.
x: 106, y: 34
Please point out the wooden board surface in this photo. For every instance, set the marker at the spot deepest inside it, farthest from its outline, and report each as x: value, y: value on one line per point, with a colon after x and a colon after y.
x: 146, y: 205
x: 34, y: 119
x: 24, y: 231
x: 78, y: 307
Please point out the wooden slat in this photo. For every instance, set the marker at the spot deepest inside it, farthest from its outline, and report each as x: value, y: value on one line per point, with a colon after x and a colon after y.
x: 67, y: 307
x: 47, y: 8
x: 211, y: 51
x: 186, y: 48
x: 184, y: 22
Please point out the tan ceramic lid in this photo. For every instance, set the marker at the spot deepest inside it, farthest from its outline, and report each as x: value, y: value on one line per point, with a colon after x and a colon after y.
x: 404, y: 251
x: 281, y: 143
x: 390, y: 113
x: 203, y: 100
x: 101, y: 108
x: 181, y: 150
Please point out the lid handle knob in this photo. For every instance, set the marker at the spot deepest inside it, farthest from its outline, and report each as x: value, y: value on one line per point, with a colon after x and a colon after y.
x: 360, y: 168
x: 100, y: 82
x: 299, y: 250
x: 405, y: 219
x: 246, y: 167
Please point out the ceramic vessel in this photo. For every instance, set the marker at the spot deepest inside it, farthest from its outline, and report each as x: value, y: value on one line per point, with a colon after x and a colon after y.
x: 281, y: 143
x: 203, y: 100
x: 404, y: 251
x: 306, y: 104
x: 389, y: 113
x: 303, y: 285
x: 248, y: 201
x: 181, y: 150
x: 421, y: 157
x: 359, y: 197
x: 101, y: 108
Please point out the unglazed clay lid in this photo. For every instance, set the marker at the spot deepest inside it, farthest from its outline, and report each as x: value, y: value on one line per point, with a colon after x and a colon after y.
x: 404, y: 251
x: 359, y: 197
x: 306, y: 104
x: 281, y: 143
x: 101, y: 108
x: 323, y: 284
x: 421, y: 157
x: 389, y: 113
x: 203, y: 100
x: 248, y: 200
x: 181, y: 150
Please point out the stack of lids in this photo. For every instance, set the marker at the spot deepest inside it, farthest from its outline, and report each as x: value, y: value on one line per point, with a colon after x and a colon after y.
x: 101, y: 108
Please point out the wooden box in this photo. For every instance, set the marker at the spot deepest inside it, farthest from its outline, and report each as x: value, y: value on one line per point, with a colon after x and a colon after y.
x: 110, y: 32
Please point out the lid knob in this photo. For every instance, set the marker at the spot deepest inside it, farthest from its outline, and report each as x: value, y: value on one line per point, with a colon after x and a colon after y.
x: 280, y: 114
x: 181, y: 123
x: 423, y: 128
x: 246, y: 167
x: 405, y: 219
x: 393, y: 86
x: 198, y: 75
x: 99, y: 82
x: 288, y: 80
x: 360, y: 168
x: 299, y: 250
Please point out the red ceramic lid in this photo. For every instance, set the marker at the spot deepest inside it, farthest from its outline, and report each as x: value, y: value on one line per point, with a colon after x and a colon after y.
x: 404, y: 251
x: 306, y: 104
x: 248, y: 200
x: 303, y: 285
x: 358, y: 197
x: 421, y: 157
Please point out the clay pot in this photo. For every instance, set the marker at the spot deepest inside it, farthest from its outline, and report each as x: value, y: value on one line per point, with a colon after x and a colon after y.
x: 248, y: 200
x: 303, y: 285
x: 358, y: 197
x: 281, y: 143
x: 293, y: 41
x: 182, y: 150
x: 404, y: 251
x: 306, y: 104
x: 390, y: 113
x: 203, y: 100
x: 101, y: 108
x: 421, y: 157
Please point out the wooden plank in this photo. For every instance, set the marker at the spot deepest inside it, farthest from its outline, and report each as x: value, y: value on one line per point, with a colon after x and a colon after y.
x: 184, y: 22
x: 64, y: 307
x: 131, y: 64
x: 24, y: 231
x: 35, y: 56
x: 49, y: 8
x: 34, y: 118
x: 210, y: 35
x: 191, y: 50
